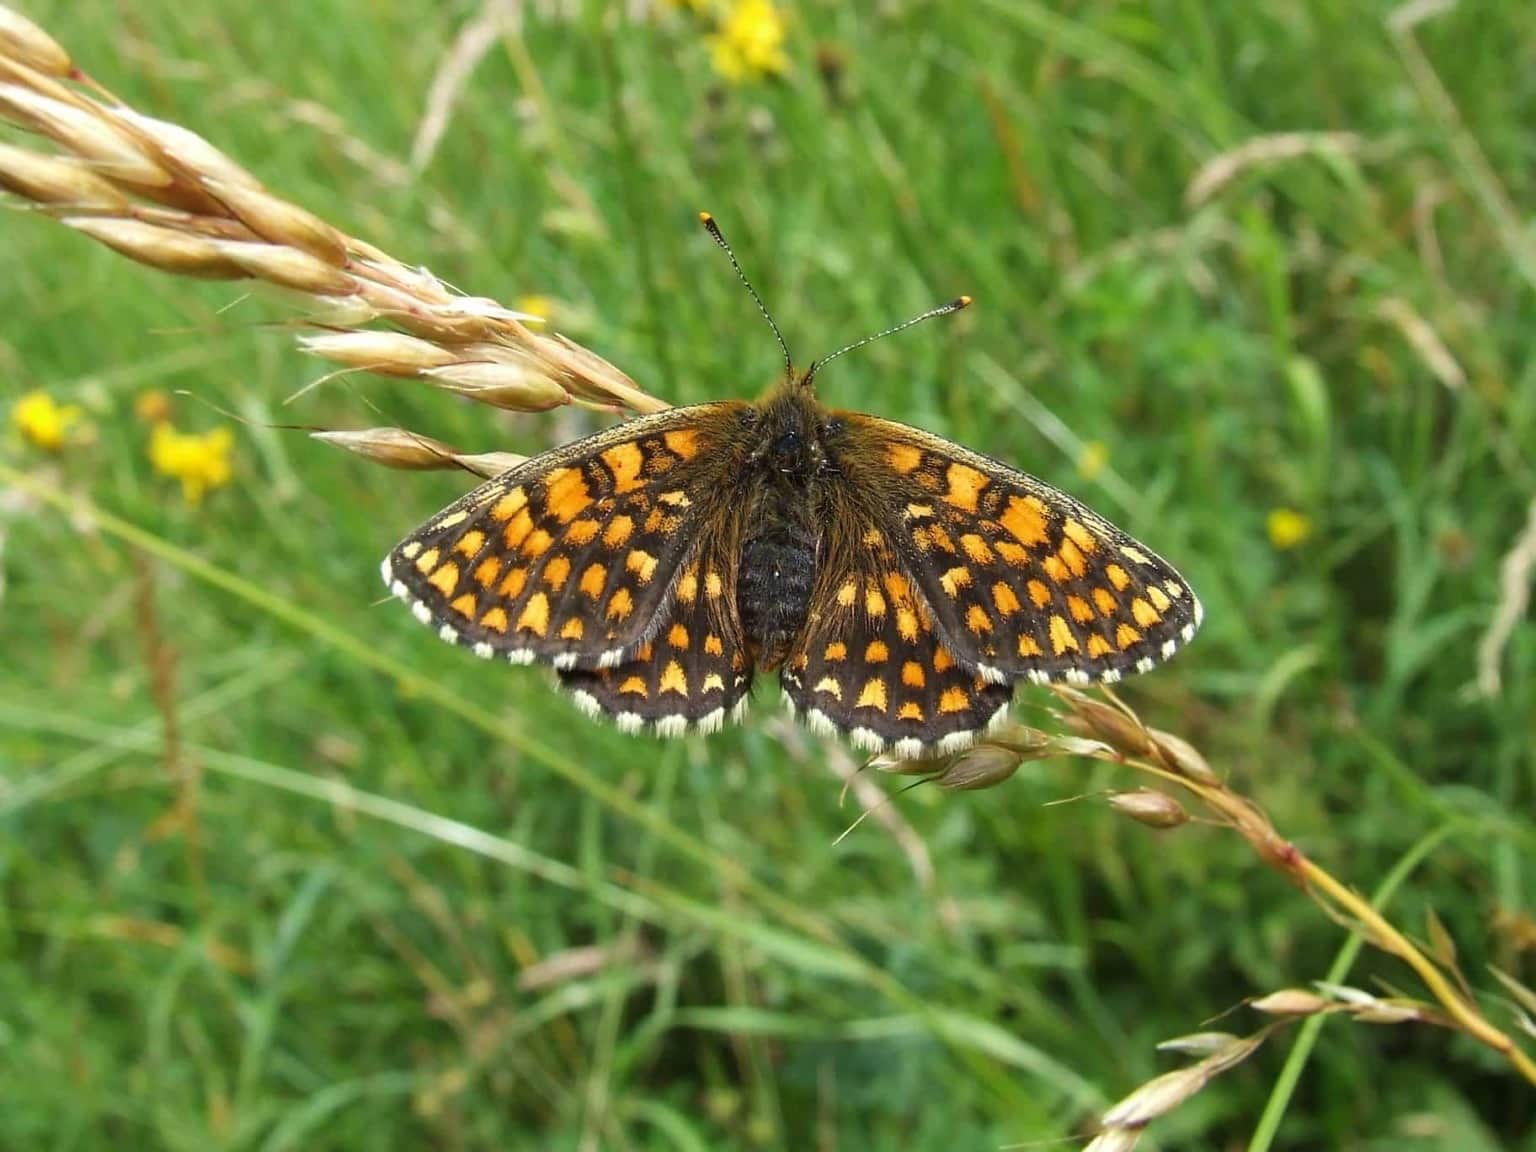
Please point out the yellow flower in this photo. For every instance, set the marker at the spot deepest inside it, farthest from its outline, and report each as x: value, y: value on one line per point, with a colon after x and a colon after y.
x: 152, y: 407
x: 42, y: 422
x: 1287, y: 528
x: 200, y: 462
x: 1092, y: 458
x: 538, y: 307
x: 750, y: 42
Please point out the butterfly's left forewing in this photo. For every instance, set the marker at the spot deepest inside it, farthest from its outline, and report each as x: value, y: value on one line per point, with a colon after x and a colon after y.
x: 572, y: 557
x: 1023, y: 580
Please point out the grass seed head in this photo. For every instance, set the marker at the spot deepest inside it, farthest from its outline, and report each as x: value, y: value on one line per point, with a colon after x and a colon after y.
x: 57, y: 180
x: 22, y: 40
x: 111, y: 152
x: 1291, y: 1002
x: 387, y: 353
x: 392, y: 447
x: 508, y: 386
x: 289, y: 268
x: 278, y: 221
x: 163, y: 248
x: 1150, y: 807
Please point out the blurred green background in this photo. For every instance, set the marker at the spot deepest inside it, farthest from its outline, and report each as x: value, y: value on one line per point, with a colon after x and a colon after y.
x: 1303, y: 371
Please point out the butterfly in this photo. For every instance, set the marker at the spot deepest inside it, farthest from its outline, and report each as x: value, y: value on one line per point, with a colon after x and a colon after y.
x: 899, y: 583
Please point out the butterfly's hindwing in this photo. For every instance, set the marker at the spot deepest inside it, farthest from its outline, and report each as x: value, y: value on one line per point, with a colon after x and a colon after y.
x: 571, y: 557
x: 1024, y: 581
x: 871, y: 665
x: 691, y: 675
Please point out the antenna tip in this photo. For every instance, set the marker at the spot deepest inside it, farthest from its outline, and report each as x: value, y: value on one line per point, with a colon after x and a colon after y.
x: 706, y: 219
x: 962, y: 302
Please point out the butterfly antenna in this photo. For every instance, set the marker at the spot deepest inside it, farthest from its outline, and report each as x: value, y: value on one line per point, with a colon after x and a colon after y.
x: 954, y: 305
x: 714, y: 230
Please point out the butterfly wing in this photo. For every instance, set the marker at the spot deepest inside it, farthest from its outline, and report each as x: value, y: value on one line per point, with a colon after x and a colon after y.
x: 573, y: 556
x: 1022, y: 580
x: 694, y: 671
x: 870, y: 663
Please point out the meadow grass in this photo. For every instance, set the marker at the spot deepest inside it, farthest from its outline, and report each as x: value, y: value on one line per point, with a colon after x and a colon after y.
x: 283, y: 871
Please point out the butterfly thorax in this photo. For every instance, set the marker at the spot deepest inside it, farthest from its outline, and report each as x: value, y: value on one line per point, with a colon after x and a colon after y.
x: 780, y: 536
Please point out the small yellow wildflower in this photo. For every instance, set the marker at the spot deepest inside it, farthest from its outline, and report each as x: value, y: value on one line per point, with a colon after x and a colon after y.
x: 1092, y: 458
x: 750, y: 42
x: 42, y: 422
x: 152, y: 407
x: 200, y: 462
x: 539, y: 307
x: 1287, y: 528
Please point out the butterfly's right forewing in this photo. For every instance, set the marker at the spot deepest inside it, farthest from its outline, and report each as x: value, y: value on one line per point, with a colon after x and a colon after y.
x: 572, y: 557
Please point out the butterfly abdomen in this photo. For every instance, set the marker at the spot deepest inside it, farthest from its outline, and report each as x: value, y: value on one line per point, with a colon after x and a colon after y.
x: 773, y: 588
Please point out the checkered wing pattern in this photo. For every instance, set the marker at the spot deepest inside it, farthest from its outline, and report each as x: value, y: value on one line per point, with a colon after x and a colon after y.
x: 573, y: 558
x: 871, y: 664
x: 1022, y: 580
x: 692, y: 674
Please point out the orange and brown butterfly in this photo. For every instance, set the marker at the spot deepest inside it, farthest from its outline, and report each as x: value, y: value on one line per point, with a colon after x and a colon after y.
x: 899, y: 583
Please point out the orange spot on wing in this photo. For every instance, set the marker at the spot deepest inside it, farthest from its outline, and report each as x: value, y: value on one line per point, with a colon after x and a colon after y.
x: 688, y: 586
x: 1006, y: 600
x: 678, y: 637
x: 713, y: 586
x: 953, y: 580
x: 873, y: 695
x: 874, y: 603
x: 1079, y: 535
x: 572, y: 629
x: 642, y: 564
x: 907, y: 623
x: 557, y: 571
x: 582, y: 531
x: 427, y: 561
x: 620, y: 605
x: 684, y: 442
x: 1125, y: 636
x: 903, y: 458
x: 911, y: 711
x: 495, y: 620
x: 1024, y: 520
x: 713, y: 683
x: 445, y: 579
x: 912, y: 674
x: 1062, y: 639
x: 464, y: 605
x: 1039, y: 594
x: 1143, y: 613
x: 619, y: 529
x: 512, y: 585
x: 633, y: 686
x: 677, y: 499
x: 517, y: 530
x: 1080, y: 609
x: 537, y: 543
x: 1105, y: 601
x: 508, y: 506
x: 877, y: 652
x: 942, y: 660
x: 847, y: 593
x: 535, y: 615
x: 897, y: 588
x: 941, y: 539
x: 830, y: 686
x: 673, y: 680
x: 1098, y: 646
x: 470, y: 543
x: 712, y: 645
x: 1174, y: 588
x: 593, y: 579
x: 1055, y: 569
x: 487, y: 571
x: 625, y: 462
x: 919, y: 511
x: 965, y: 487
x: 976, y: 549
x: 1028, y: 647
x: 1159, y: 600
x: 837, y: 650
x: 566, y: 495
x: 1117, y: 576
x: 1072, y: 558
x: 953, y: 700
x: 977, y: 620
